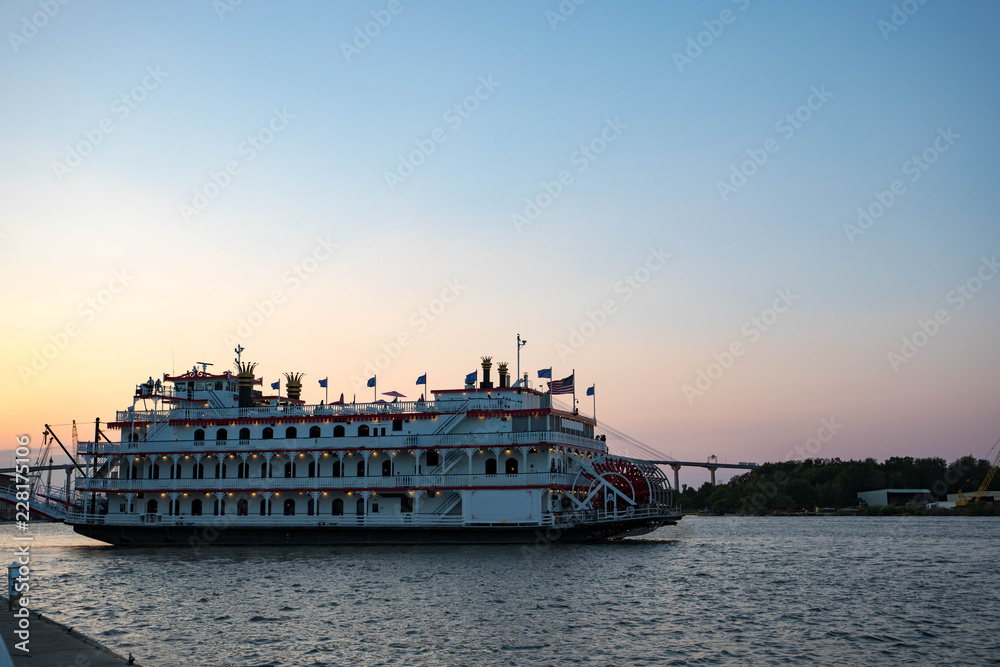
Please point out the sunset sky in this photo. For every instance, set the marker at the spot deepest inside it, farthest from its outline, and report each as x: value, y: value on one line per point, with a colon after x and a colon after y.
x: 736, y: 218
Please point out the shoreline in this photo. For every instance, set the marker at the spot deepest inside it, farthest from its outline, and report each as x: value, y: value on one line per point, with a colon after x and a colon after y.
x: 52, y: 643
x: 876, y: 512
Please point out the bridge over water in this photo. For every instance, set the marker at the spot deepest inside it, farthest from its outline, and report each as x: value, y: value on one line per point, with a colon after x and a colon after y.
x: 710, y: 464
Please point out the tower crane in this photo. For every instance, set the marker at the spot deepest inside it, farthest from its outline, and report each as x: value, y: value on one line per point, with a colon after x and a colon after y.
x: 987, y: 480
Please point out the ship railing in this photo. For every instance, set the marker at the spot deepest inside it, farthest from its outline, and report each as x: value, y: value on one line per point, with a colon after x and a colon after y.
x: 251, y: 520
x: 376, y: 409
x: 651, y: 511
x: 221, y: 522
x: 142, y: 416
x: 458, y: 481
x: 351, y: 442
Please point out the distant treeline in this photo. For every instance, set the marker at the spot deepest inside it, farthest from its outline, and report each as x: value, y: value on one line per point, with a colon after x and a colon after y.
x: 813, y: 483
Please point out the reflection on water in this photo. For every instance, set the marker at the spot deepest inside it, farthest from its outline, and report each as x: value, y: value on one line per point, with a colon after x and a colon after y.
x: 726, y: 590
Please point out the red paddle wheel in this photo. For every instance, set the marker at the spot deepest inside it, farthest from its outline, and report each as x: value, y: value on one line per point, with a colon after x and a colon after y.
x: 613, y: 482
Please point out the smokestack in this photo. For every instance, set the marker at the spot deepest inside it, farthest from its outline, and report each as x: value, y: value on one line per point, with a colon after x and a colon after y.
x: 293, y: 385
x: 487, y: 364
x: 244, y: 383
x: 504, y: 375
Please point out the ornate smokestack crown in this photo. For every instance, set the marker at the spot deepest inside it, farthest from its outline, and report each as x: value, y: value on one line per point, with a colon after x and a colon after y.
x: 293, y: 385
x: 246, y: 368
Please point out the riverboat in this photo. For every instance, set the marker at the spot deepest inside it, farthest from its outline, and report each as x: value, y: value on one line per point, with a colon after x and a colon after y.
x: 207, y: 458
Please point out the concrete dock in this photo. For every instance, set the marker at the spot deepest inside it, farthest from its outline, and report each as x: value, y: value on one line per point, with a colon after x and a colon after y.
x: 52, y: 644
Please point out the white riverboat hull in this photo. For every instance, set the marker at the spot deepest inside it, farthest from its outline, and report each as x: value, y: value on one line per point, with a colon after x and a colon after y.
x: 215, y: 462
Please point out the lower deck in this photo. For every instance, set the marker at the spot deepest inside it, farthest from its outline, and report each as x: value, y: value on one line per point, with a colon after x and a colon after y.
x: 222, y: 532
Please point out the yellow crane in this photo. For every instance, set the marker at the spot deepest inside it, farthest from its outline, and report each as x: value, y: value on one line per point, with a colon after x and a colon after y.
x: 990, y: 474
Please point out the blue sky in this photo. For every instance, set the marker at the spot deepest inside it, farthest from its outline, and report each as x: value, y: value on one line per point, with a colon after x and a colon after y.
x: 553, y: 90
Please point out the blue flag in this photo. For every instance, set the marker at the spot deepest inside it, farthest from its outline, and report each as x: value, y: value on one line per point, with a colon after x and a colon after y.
x: 322, y: 382
x: 422, y: 379
x: 545, y: 373
x: 275, y: 385
x: 471, y: 377
x: 371, y: 381
x: 590, y: 390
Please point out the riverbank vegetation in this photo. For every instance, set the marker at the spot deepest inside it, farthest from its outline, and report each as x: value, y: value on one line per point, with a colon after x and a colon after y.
x: 833, y: 483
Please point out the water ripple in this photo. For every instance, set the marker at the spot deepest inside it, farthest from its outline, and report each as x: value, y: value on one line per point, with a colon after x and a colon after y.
x: 710, y: 591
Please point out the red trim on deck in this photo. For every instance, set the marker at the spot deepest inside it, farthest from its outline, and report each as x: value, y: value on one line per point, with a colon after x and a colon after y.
x: 524, y: 390
x: 302, y: 450
x: 300, y: 419
x: 202, y: 375
x: 375, y: 490
x: 533, y: 412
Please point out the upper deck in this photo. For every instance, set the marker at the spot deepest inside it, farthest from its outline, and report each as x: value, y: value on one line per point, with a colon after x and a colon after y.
x: 511, y: 402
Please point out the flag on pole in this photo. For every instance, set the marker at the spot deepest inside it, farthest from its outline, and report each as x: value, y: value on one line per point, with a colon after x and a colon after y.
x: 275, y: 385
x: 422, y: 379
x: 371, y: 381
x: 322, y: 382
x: 471, y: 377
x: 590, y: 390
x: 545, y: 373
x: 564, y: 386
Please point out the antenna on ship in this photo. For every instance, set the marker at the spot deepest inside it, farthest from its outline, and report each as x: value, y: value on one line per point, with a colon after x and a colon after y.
x: 520, y: 343
x: 204, y: 366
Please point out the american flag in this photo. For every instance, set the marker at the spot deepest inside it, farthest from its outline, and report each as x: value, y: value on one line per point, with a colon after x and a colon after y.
x: 564, y: 386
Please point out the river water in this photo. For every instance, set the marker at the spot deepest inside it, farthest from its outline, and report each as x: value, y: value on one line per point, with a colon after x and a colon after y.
x: 709, y: 591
